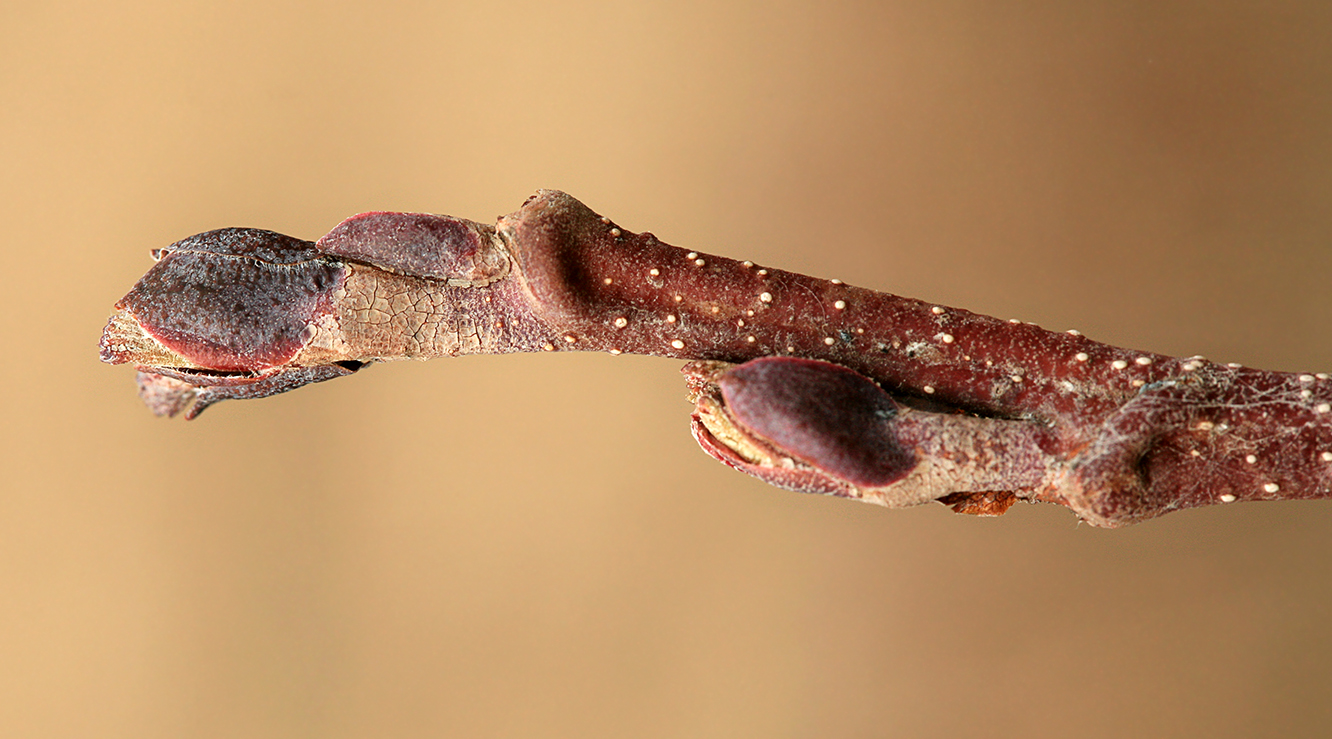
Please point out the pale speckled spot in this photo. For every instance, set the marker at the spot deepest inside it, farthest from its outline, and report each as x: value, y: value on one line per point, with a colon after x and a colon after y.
x: 1081, y: 356
x: 762, y: 273
x: 1014, y: 321
x: 1327, y: 456
x: 1073, y: 332
x: 765, y: 297
x: 1321, y: 376
x: 1195, y: 453
x: 570, y: 339
x: 936, y: 310
x: 679, y: 298
x: 677, y: 344
x: 746, y: 264
x: 829, y: 341
x: 840, y: 305
x: 928, y: 389
x: 1119, y: 364
x: 1226, y: 498
x: 740, y: 322
x: 836, y: 282
x: 716, y: 309
x: 670, y: 318
x: 1271, y: 487
x: 621, y: 322
x: 605, y: 220
x: 654, y: 272
x: 1306, y: 394
x: 1144, y: 361
x: 1015, y: 378
x: 860, y: 330
x: 692, y: 255
x: 615, y: 351
x: 608, y: 281
x: 1233, y: 365
x: 1306, y: 378
x: 750, y: 339
x: 1251, y: 459
x: 1138, y: 383
x: 615, y: 232
x: 946, y: 338
x: 1205, y: 425
x: 700, y: 262
x: 549, y: 347
x: 1323, y: 408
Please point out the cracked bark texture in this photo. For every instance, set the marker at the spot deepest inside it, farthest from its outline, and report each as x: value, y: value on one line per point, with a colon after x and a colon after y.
x: 806, y: 383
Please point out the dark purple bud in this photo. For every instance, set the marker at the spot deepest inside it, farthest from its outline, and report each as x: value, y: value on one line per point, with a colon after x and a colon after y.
x: 235, y: 299
x: 824, y: 415
x: 420, y: 245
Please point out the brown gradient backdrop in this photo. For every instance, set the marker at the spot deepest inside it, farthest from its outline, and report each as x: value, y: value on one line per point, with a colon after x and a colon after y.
x: 532, y: 545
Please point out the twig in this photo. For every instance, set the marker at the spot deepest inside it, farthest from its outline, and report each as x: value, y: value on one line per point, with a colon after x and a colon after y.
x: 808, y: 384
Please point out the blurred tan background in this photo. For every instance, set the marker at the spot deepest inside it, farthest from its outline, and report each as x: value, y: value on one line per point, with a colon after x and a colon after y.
x: 532, y: 545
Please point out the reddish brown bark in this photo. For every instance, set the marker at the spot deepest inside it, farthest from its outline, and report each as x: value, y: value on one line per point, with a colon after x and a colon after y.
x: 838, y: 389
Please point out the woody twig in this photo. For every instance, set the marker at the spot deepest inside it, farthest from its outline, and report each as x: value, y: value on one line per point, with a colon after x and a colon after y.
x: 809, y: 384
